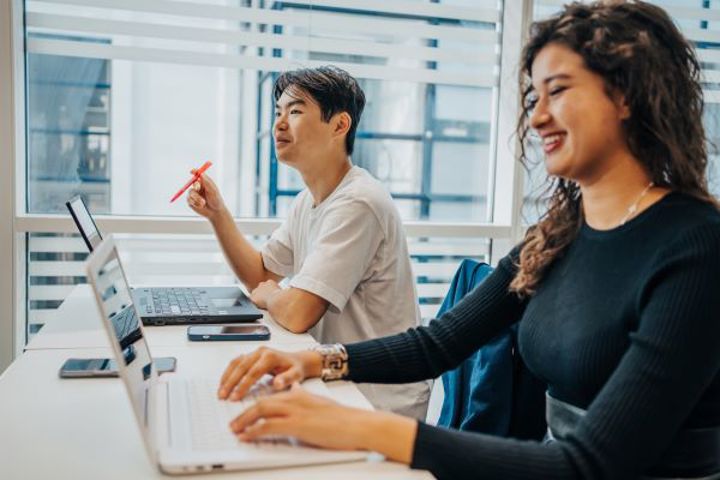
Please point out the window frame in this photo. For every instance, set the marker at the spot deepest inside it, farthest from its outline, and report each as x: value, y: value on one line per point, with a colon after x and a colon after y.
x: 12, y: 185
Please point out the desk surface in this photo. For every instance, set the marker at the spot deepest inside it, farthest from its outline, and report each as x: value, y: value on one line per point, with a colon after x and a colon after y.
x: 77, y: 325
x: 84, y: 428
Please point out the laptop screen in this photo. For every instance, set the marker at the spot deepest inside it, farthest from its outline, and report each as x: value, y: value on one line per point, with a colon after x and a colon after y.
x: 85, y: 223
x: 122, y: 322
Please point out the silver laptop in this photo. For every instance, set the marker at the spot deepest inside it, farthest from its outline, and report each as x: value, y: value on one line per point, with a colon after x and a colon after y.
x: 184, y: 426
x: 173, y: 305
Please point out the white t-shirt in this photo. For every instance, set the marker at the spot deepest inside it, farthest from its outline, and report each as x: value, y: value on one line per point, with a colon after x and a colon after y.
x: 351, y: 250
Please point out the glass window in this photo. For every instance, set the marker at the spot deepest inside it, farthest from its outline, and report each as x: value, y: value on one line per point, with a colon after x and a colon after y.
x: 125, y: 100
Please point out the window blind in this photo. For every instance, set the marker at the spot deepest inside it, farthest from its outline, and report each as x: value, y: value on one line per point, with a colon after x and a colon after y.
x: 405, y: 40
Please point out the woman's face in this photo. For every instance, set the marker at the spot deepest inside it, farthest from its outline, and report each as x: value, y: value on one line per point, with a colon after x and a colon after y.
x: 580, y: 125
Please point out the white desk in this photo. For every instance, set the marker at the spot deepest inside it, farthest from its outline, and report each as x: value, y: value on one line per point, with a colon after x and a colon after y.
x: 84, y: 428
x: 77, y: 325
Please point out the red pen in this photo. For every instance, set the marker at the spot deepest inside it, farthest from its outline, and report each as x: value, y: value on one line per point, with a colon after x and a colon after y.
x: 194, y: 179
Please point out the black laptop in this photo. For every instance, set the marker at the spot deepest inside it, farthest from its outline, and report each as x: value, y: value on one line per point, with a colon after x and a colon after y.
x: 174, y: 305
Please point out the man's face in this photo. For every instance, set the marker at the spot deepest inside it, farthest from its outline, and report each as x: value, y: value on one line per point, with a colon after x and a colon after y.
x: 301, y: 135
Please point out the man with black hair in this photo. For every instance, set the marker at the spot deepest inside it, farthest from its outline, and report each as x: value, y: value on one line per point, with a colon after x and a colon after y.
x: 342, y: 245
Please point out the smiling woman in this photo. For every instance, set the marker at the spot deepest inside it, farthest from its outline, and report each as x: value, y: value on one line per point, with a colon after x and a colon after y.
x: 614, y: 289
x: 646, y: 101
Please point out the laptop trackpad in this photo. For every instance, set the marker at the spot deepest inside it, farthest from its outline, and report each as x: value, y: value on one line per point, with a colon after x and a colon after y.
x: 225, y: 303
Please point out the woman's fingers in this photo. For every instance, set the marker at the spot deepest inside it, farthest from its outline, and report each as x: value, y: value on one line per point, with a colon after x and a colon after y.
x: 289, y: 377
x: 243, y: 372
x: 263, y: 411
x: 234, y: 374
x: 255, y: 371
x: 264, y: 428
x: 230, y: 369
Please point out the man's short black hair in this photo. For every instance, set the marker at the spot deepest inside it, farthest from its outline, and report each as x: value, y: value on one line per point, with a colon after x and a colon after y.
x: 332, y: 88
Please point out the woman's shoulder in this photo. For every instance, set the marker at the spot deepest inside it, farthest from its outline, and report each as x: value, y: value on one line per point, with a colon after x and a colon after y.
x: 686, y: 217
x: 690, y: 209
x: 691, y: 228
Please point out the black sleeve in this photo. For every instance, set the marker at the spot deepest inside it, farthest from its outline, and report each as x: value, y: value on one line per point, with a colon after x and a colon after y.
x: 427, y: 352
x: 673, y: 357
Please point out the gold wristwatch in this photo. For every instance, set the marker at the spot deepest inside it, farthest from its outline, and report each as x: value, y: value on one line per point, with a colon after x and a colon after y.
x: 334, y: 361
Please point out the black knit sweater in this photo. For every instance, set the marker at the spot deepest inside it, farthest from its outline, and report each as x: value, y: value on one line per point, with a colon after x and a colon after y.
x: 625, y: 324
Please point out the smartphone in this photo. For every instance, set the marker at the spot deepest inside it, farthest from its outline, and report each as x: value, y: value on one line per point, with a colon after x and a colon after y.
x: 209, y: 333
x: 105, y: 367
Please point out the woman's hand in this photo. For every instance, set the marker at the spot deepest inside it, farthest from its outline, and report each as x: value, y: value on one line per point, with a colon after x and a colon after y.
x: 324, y: 423
x: 287, y: 367
x: 205, y: 199
x: 313, y: 419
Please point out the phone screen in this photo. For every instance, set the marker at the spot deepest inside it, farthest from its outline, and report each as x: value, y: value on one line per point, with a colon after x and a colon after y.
x: 230, y: 330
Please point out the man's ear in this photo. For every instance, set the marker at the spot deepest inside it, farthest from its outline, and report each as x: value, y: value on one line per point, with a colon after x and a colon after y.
x: 341, y: 123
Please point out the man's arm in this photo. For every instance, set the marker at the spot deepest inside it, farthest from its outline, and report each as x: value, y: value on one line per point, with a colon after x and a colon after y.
x: 246, y: 262
x: 295, y: 309
x: 329, y: 275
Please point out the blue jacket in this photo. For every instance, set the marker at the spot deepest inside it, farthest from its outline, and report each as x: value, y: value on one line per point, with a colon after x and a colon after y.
x: 491, y: 391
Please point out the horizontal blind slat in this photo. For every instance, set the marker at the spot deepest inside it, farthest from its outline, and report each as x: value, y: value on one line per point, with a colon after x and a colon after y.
x: 49, y: 292
x: 271, y: 40
x: 429, y: 311
x: 708, y: 55
x: 475, y: 249
x: 90, y: 50
x: 56, y: 269
x: 711, y: 96
x: 478, y: 14
x: 57, y: 245
x: 432, y: 290
x: 341, y: 23
x: 435, y: 269
x: 41, y: 315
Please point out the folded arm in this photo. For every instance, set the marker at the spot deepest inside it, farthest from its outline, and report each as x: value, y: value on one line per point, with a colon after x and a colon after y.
x: 295, y: 309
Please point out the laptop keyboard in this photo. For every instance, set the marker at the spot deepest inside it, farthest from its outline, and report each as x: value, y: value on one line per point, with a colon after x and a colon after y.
x: 211, y: 417
x: 177, y: 301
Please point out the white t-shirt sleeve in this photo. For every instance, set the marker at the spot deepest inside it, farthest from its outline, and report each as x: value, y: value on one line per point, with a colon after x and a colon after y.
x: 277, y: 253
x: 345, y: 247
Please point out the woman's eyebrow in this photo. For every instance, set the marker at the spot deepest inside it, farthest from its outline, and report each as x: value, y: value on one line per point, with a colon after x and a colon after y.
x: 557, y: 76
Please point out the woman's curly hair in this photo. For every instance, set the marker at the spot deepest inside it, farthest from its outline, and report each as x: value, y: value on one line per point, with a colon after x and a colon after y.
x: 640, y: 53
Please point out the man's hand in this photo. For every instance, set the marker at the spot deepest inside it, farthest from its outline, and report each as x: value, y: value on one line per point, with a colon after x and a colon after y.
x: 205, y: 199
x: 263, y: 292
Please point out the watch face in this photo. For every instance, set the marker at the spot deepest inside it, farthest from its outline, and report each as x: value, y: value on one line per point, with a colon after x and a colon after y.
x: 334, y: 361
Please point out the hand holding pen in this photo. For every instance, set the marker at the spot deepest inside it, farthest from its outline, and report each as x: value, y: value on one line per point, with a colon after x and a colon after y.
x: 204, y: 197
x: 196, y: 174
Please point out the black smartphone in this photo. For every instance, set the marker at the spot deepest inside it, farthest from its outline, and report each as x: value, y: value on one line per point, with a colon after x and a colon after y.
x: 105, y: 367
x: 209, y: 333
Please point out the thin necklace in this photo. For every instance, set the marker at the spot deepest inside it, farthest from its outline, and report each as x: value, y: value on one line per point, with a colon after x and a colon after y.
x: 633, y: 208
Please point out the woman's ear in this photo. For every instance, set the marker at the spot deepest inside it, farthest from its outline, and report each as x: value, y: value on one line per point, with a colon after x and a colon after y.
x: 622, y: 106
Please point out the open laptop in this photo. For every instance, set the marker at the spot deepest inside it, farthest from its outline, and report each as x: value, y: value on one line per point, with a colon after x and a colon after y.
x: 184, y: 426
x: 174, y: 305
